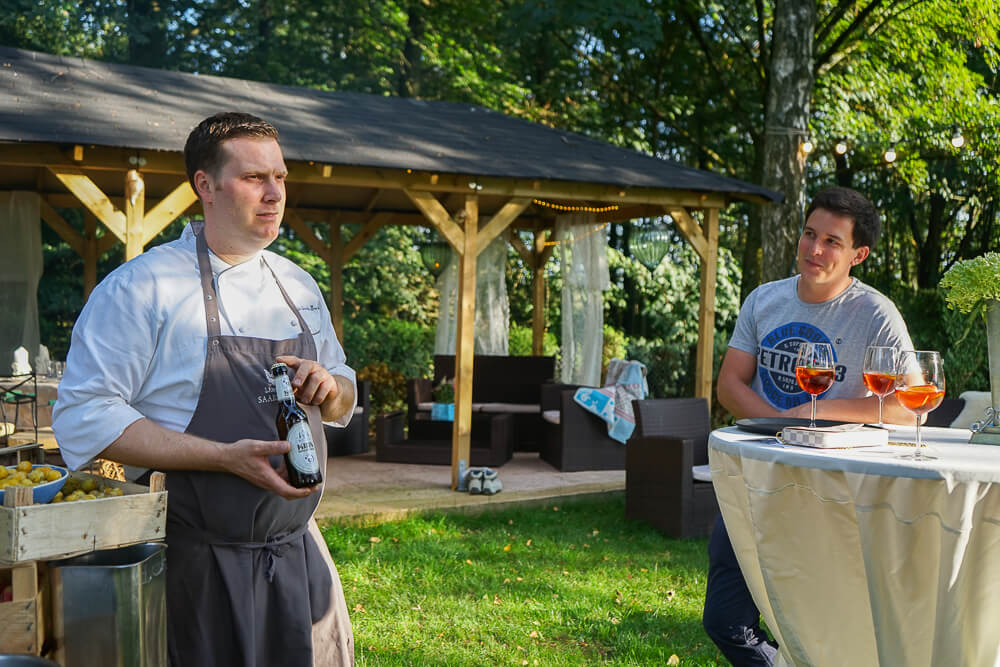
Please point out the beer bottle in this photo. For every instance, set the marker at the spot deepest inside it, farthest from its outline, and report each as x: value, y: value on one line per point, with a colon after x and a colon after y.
x: 301, y: 459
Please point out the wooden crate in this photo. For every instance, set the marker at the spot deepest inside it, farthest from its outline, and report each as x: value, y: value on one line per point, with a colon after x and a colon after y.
x: 45, y: 532
x: 21, y: 620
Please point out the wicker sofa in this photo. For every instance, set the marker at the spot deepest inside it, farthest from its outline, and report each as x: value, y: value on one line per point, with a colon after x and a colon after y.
x: 506, y: 413
x: 500, y: 385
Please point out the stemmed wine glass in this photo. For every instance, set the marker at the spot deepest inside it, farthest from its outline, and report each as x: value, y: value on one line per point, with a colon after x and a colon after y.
x: 879, y: 372
x: 814, y: 372
x: 919, y: 388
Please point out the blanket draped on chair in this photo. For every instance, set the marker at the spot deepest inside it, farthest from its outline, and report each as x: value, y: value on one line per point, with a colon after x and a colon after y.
x: 626, y: 381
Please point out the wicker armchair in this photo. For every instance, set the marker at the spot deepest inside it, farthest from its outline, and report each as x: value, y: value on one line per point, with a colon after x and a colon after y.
x: 671, y: 436
x: 353, y: 439
x: 579, y: 439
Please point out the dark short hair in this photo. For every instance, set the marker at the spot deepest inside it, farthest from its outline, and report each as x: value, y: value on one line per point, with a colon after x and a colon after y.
x: 851, y: 204
x: 203, y: 149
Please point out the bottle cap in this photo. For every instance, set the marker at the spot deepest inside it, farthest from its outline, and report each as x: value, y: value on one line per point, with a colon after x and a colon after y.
x: 278, y: 366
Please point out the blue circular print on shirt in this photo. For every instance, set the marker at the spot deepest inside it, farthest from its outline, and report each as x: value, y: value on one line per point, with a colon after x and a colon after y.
x: 776, y: 362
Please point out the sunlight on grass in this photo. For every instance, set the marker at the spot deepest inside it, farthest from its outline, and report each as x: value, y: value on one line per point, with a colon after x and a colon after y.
x: 564, y: 584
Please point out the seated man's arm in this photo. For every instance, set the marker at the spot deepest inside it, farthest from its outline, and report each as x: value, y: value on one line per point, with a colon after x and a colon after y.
x: 733, y: 386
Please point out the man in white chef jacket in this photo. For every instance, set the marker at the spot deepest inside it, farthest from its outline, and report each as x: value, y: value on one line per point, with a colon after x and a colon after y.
x: 167, y: 370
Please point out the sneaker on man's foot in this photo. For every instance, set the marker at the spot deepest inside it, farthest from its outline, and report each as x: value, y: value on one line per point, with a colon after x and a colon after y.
x: 491, y: 483
x: 475, y: 481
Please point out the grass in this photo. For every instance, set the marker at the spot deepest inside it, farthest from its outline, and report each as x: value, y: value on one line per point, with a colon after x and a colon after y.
x: 573, y: 583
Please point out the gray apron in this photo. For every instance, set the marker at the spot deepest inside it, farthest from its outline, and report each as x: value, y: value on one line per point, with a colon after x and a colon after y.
x: 246, y: 578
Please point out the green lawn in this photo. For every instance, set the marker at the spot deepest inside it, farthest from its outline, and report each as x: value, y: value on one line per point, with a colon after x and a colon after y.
x: 562, y: 584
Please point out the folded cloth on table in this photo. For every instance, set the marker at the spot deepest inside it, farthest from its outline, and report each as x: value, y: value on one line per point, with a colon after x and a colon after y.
x: 626, y: 381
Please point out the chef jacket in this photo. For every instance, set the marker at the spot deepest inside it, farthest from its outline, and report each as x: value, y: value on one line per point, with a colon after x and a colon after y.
x: 138, y: 347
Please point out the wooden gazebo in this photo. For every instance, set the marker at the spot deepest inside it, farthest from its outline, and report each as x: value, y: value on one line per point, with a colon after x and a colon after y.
x: 109, y: 139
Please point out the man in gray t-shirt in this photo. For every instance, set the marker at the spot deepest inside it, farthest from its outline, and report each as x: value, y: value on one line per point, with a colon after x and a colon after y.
x: 774, y: 320
x: 823, y: 303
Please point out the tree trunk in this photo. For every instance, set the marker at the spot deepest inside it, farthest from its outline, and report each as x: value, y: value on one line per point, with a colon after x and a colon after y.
x: 789, y: 93
x: 751, y: 275
x: 147, y: 34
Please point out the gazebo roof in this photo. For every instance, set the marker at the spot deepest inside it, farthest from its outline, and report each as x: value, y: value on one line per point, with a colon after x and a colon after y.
x: 65, y: 100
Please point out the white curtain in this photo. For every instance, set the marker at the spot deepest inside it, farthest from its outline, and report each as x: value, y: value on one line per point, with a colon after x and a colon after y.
x: 492, y: 307
x: 20, y: 270
x: 583, y: 252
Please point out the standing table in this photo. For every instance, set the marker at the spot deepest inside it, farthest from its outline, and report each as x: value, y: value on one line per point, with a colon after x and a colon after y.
x: 856, y: 557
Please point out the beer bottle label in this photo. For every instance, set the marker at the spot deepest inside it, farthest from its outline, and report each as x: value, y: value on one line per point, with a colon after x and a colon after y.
x: 303, y: 452
x: 283, y: 387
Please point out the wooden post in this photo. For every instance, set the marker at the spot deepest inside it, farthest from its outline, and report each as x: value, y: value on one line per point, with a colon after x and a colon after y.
x: 706, y: 308
x: 466, y: 329
x: 135, y: 208
x: 89, y: 254
x: 336, y: 263
x: 539, y: 257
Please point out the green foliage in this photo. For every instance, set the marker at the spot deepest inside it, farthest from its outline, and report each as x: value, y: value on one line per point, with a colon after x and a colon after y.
x: 664, y: 334
x: 969, y: 283
x: 391, y: 350
x: 520, y: 340
x: 570, y: 584
x: 444, y: 392
x: 614, y: 347
x: 961, y: 339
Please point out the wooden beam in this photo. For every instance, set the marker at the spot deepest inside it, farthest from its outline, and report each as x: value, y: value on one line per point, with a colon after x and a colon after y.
x: 135, y: 212
x: 305, y: 233
x: 370, y: 228
x: 90, y: 254
x: 540, y: 256
x: 461, y: 433
x: 690, y: 228
x: 60, y: 226
x: 522, y: 250
x: 167, y: 210
x: 374, y: 198
x: 500, y: 221
x: 91, y: 196
x: 336, y: 264
x: 106, y: 243
x: 706, y: 308
x: 439, y: 217
x: 98, y: 158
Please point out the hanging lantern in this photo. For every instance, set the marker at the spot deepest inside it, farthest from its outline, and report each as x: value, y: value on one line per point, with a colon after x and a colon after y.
x: 650, y: 245
x: 435, y: 256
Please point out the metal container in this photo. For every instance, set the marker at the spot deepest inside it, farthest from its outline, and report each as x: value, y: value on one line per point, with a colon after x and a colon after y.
x: 19, y: 660
x: 110, y: 607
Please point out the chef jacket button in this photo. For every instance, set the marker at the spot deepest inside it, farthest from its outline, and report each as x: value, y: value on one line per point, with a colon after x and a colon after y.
x: 211, y: 319
x: 294, y: 323
x: 242, y: 329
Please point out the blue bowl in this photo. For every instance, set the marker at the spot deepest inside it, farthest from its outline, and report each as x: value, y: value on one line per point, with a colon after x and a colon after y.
x: 44, y: 493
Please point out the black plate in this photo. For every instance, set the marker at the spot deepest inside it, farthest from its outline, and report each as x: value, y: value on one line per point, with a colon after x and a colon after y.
x: 773, y: 425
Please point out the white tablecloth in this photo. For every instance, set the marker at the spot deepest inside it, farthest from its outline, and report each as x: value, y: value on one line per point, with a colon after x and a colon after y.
x: 856, y: 557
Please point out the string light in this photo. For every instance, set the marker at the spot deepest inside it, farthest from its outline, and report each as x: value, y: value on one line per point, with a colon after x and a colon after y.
x: 890, y: 154
x: 841, y: 146
x: 957, y: 140
x: 807, y: 146
x: 575, y: 209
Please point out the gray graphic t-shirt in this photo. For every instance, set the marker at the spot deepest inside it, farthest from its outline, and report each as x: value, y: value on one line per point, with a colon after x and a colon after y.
x: 773, y: 321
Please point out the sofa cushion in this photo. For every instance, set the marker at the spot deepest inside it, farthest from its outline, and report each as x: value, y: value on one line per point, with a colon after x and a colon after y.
x: 976, y: 403
x: 519, y: 408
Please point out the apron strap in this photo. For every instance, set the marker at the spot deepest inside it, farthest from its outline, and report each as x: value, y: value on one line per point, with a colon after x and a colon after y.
x: 212, y: 296
x: 303, y: 327
x: 208, y: 288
